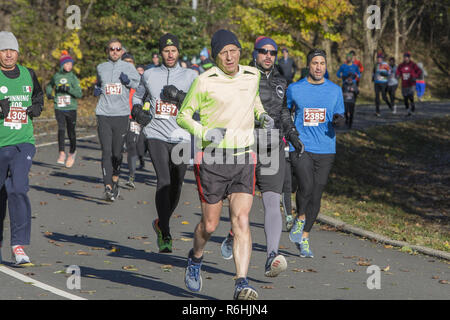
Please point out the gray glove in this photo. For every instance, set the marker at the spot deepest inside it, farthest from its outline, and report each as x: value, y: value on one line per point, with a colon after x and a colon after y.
x: 266, y: 121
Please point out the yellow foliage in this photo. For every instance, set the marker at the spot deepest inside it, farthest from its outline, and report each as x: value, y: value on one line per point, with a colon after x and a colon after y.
x: 70, y: 43
x: 88, y: 82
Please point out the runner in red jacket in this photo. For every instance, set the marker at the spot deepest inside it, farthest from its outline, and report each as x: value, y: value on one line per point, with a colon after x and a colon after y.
x: 408, y: 71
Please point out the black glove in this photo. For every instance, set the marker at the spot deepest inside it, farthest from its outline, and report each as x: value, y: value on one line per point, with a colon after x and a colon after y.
x: 34, y: 111
x: 124, y: 79
x: 338, y: 121
x: 4, y: 108
x: 215, y: 135
x: 295, y: 141
x: 97, y: 91
x: 62, y: 88
x: 50, y: 97
x: 141, y: 116
x: 171, y: 94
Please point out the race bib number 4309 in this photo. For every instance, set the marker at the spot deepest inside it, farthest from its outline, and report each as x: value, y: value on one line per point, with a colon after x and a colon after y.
x: 313, y: 116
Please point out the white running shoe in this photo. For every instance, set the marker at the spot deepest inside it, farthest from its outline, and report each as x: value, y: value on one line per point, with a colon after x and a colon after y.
x: 19, y: 255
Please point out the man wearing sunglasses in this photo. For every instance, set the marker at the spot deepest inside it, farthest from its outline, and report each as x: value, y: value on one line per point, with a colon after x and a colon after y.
x: 167, y: 85
x: 115, y: 78
x: 270, y: 177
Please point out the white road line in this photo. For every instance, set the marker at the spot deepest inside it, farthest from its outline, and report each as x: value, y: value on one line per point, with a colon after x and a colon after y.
x: 55, y: 142
x: 39, y: 284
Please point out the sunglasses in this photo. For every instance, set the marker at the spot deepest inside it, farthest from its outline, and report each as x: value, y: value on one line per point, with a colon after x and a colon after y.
x: 273, y: 53
x: 115, y: 48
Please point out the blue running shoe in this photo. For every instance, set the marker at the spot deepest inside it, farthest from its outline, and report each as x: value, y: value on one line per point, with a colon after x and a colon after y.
x: 305, y: 251
x: 243, y: 291
x: 297, y: 230
x: 227, y: 247
x: 192, y: 278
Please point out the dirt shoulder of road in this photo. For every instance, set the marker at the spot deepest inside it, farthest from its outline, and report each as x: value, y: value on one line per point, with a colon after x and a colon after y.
x: 394, y: 180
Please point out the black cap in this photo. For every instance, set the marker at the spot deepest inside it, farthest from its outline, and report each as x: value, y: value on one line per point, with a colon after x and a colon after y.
x: 168, y: 40
x: 127, y: 55
x: 222, y: 38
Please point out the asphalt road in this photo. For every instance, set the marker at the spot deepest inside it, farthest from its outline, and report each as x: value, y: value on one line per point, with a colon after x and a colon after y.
x: 114, y: 246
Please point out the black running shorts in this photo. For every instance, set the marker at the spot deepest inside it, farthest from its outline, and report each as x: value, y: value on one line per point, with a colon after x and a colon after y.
x: 216, y: 181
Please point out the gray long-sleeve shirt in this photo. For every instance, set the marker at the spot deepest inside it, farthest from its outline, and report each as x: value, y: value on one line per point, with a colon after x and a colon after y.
x: 114, y: 100
x: 164, y: 124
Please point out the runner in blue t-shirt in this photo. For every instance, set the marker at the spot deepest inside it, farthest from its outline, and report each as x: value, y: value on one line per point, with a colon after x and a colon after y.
x: 348, y: 68
x: 319, y: 108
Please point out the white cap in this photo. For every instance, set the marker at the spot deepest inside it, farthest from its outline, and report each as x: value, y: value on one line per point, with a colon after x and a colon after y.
x: 8, y: 41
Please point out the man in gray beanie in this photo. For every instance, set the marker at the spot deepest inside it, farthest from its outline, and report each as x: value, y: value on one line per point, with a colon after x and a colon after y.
x: 21, y: 100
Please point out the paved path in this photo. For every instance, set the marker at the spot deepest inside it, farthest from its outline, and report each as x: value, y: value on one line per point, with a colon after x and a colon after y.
x: 115, y: 247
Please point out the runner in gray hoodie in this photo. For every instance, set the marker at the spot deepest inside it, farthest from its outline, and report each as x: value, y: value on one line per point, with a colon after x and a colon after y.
x: 167, y: 85
x: 114, y: 80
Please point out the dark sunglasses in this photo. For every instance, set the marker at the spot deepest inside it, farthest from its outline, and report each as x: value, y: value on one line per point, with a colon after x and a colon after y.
x: 273, y: 53
x: 115, y: 48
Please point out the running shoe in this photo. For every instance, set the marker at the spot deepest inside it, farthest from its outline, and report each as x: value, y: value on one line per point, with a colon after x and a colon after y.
x: 243, y: 291
x: 395, y: 109
x: 62, y: 158
x: 275, y: 264
x: 109, y: 196
x: 289, y: 222
x: 192, y: 277
x: 70, y: 160
x: 377, y: 114
x: 159, y: 235
x: 130, y: 183
x: 19, y: 255
x: 305, y: 251
x: 166, y: 246
x: 227, y: 247
x: 115, y: 190
x: 295, y: 235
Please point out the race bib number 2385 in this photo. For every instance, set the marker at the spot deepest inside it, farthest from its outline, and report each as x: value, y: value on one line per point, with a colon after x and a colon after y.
x: 313, y: 116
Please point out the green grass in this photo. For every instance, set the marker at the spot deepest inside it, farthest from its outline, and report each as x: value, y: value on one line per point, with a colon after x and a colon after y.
x: 394, y: 180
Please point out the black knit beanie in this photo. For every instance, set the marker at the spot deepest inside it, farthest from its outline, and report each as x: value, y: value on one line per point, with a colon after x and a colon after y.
x: 222, y: 38
x: 168, y: 40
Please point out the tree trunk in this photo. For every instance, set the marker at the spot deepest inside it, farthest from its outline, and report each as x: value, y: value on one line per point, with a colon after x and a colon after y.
x: 326, y: 44
x: 397, y: 31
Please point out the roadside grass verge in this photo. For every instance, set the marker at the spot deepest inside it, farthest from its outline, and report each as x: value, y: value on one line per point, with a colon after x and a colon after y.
x: 394, y: 180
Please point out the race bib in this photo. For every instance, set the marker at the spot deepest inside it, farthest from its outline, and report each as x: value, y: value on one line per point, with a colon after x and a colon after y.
x: 113, y: 88
x: 165, y: 110
x: 135, y: 127
x: 313, y: 116
x: 16, y: 117
x: 63, y: 101
x: 406, y: 76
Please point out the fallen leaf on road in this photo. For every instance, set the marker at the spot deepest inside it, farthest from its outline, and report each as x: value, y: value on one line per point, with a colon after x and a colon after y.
x: 185, y: 239
x: 43, y: 203
x: 137, y: 237
x: 114, y: 249
x: 388, y: 246
x: 29, y: 274
x: 351, y: 270
x: 48, y: 233
x: 386, y: 269
x: 208, y: 278
x: 177, y: 215
x: 166, y: 268
x: 434, y: 277
x: 83, y: 253
x: 443, y: 281
x: 266, y: 287
x: 283, y: 247
x: 363, y: 263
x: 186, y: 203
x: 344, y: 288
x: 184, y: 222
x: 291, y: 287
x: 304, y: 270
x: 60, y: 271
x: 130, y: 268
x: 88, y: 291
x: 97, y: 248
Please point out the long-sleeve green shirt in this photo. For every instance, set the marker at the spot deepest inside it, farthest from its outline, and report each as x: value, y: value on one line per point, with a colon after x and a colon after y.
x: 65, y: 101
